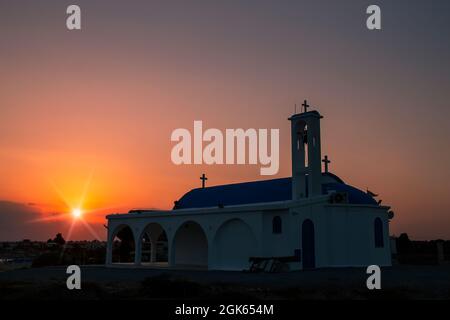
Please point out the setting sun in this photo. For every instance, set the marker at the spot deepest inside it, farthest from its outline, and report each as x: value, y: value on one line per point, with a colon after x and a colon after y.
x: 76, y: 213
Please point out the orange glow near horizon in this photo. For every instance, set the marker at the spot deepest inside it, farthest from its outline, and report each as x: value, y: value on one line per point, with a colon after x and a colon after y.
x: 73, y: 207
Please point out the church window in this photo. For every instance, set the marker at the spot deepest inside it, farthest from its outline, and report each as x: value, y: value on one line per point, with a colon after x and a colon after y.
x: 378, y: 230
x: 276, y: 225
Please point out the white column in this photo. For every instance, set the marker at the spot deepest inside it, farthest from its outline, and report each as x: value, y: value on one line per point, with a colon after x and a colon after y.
x: 109, y: 247
x: 138, y: 251
x: 153, y: 250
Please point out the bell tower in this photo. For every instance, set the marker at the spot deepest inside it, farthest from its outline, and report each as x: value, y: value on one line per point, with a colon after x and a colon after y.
x: 306, y: 154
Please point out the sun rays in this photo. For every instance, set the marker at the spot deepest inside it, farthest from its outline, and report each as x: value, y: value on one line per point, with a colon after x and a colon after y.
x: 74, y: 209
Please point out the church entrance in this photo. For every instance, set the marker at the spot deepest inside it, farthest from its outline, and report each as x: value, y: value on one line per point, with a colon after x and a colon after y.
x: 234, y: 244
x: 190, y: 246
x: 308, y: 245
x: 154, y: 250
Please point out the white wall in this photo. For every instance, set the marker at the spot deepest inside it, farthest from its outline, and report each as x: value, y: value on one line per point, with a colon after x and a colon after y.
x: 276, y: 245
x: 352, y: 238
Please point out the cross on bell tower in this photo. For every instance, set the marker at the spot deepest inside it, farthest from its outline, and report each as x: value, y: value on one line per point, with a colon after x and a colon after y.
x: 203, y: 178
x: 326, y: 161
x: 305, y: 106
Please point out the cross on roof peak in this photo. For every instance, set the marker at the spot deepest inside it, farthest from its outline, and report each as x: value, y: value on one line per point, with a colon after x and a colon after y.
x: 203, y: 178
x: 326, y: 161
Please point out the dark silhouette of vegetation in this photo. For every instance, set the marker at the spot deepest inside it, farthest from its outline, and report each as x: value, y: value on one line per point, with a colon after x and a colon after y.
x: 420, y: 252
x: 59, y: 239
x: 58, y: 252
x: 71, y: 254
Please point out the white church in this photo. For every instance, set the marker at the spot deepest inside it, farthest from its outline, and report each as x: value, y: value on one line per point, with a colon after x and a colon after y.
x: 310, y: 220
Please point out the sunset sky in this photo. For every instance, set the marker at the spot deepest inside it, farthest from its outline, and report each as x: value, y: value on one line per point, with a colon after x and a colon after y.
x: 86, y: 116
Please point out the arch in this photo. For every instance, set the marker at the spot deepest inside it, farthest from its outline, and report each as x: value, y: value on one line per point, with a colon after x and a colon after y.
x: 234, y: 243
x: 190, y: 246
x: 277, y: 225
x: 154, y: 248
x: 308, y: 245
x: 123, y: 245
x: 300, y: 130
x: 378, y: 233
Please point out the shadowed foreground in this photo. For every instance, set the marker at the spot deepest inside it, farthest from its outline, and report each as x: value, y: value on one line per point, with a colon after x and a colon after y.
x: 98, y: 282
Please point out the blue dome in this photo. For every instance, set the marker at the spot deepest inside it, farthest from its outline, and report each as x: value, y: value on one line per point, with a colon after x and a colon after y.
x: 355, y: 196
x: 262, y: 191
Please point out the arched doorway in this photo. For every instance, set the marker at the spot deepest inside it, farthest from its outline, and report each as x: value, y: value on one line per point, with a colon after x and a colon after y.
x: 123, y: 246
x: 190, y: 246
x: 308, y: 245
x: 234, y: 244
x: 155, y: 247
